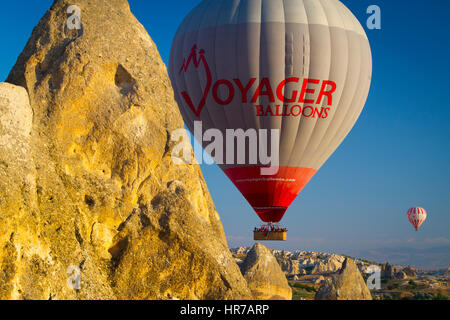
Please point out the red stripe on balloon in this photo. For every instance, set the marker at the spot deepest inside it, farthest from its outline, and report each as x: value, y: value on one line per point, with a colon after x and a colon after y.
x: 270, y: 196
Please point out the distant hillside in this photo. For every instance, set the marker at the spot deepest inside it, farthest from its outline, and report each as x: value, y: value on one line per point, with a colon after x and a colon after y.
x: 433, y: 258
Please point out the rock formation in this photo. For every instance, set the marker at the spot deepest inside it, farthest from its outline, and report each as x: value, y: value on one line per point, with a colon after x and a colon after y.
x: 330, y: 264
x: 88, y: 186
x: 347, y: 284
x: 264, y: 275
x: 300, y: 262
x: 316, y: 280
x: 401, y: 275
x: 240, y: 250
x: 410, y: 272
x: 18, y: 197
x: 387, y: 271
x: 289, y: 266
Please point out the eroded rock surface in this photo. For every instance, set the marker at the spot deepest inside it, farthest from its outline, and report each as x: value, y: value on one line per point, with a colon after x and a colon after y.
x: 330, y: 264
x: 347, y: 284
x: 86, y: 175
x: 264, y: 276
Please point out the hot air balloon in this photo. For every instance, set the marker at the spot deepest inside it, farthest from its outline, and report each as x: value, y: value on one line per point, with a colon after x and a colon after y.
x: 416, y: 215
x: 300, y: 69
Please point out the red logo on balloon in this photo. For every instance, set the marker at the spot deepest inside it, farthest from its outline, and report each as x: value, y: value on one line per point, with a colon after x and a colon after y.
x: 299, y: 102
x: 197, y: 60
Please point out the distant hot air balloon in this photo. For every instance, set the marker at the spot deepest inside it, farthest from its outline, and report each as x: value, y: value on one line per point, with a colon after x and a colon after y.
x: 416, y: 215
x: 300, y: 66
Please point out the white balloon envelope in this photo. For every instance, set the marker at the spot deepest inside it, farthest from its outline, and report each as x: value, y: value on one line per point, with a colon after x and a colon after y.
x: 302, y: 67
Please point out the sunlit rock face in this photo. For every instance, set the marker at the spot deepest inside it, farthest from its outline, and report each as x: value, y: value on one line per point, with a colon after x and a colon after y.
x: 88, y: 186
x: 264, y: 275
x: 347, y: 284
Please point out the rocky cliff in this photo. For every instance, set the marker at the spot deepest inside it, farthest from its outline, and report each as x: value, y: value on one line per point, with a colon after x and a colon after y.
x: 92, y: 206
x: 264, y: 275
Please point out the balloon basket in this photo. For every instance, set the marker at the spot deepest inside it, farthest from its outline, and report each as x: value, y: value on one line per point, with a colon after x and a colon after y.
x: 270, y: 232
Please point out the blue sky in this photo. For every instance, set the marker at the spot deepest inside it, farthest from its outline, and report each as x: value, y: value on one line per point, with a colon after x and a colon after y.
x: 397, y: 156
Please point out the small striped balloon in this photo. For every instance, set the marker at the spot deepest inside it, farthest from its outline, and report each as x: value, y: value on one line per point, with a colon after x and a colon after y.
x: 416, y: 215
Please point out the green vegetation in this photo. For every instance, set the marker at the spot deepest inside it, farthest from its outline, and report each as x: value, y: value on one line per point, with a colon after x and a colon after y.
x: 422, y: 296
x: 303, y: 287
x: 393, y: 286
x: 296, y: 295
x: 441, y: 296
x: 302, y: 291
x: 411, y: 291
x: 427, y: 296
x: 413, y: 286
x: 421, y: 288
x: 387, y: 297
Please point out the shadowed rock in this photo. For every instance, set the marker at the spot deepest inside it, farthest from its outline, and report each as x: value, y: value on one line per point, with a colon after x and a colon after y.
x: 401, y: 275
x: 387, y: 271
